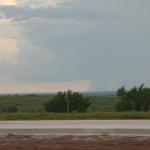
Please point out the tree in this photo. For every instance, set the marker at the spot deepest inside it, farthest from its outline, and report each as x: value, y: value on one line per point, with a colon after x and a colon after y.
x: 137, y: 99
x: 68, y: 101
x: 121, y: 92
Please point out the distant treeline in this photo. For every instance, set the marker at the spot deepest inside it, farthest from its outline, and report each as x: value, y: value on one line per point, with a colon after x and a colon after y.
x: 90, y: 93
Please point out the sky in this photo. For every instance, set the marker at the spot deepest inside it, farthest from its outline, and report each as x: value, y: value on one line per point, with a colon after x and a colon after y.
x: 83, y: 45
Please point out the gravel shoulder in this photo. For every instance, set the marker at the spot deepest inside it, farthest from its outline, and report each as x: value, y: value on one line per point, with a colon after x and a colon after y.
x: 21, y: 142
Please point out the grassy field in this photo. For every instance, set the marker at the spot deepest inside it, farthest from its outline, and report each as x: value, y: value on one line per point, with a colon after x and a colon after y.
x: 25, y: 103
x: 32, y: 108
x: 36, y: 103
x: 103, y: 104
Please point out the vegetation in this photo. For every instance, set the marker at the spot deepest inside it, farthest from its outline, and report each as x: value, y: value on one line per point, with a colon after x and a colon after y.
x: 103, y: 104
x: 26, y: 103
x: 75, y: 116
x: 10, y: 109
x: 31, y: 103
x: 131, y: 104
x: 68, y: 102
x: 136, y: 99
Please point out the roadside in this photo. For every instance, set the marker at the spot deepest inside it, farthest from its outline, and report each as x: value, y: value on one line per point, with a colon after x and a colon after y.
x: 75, y: 116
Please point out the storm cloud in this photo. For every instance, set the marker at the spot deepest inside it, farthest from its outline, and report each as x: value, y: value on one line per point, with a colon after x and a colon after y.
x: 103, y: 42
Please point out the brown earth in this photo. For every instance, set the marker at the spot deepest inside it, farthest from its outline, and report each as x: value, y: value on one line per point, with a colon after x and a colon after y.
x: 12, y: 142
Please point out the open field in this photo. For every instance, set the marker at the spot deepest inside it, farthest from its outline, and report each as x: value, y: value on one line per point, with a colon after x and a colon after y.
x: 32, y: 108
x: 73, y: 143
x: 103, y: 104
x: 25, y: 103
x: 36, y: 103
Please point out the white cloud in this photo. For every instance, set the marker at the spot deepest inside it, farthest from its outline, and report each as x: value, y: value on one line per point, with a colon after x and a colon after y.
x: 38, y: 3
x: 8, y: 41
x: 32, y: 3
x: 8, y: 2
x: 8, y: 51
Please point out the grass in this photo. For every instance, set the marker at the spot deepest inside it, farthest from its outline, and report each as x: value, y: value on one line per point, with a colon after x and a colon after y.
x: 25, y: 103
x: 103, y: 104
x: 75, y: 116
x: 36, y: 103
x: 32, y: 108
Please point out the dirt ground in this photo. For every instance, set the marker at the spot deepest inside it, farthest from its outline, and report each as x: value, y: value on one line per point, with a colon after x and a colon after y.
x: 13, y: 142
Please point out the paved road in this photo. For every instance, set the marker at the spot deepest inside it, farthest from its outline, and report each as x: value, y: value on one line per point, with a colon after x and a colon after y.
x: 84, y: 127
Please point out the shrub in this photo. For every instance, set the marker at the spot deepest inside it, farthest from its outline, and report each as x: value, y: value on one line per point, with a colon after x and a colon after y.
x: 68, y: 102
x: 11, y: 109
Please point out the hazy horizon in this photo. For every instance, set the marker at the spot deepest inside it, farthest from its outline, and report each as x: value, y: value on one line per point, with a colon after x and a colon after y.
x: 83, y: 45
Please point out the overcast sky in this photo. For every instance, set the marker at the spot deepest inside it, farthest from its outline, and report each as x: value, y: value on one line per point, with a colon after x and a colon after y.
x: 84, y: 45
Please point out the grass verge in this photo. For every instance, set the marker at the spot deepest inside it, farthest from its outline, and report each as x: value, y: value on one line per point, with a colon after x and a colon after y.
x: 75, y: 116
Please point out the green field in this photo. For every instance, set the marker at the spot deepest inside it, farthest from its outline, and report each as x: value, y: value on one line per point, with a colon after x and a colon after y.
x: 36, y: 103
x: 24, y: 103
x: 103, y: 104
x: 32, y: 108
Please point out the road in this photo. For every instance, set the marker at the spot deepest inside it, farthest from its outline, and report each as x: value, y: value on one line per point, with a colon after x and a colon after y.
x: 79, y: 127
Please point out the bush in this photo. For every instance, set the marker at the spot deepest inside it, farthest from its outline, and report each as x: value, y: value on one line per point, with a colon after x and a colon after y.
x: 10, y: 109
x: 68, y: 102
